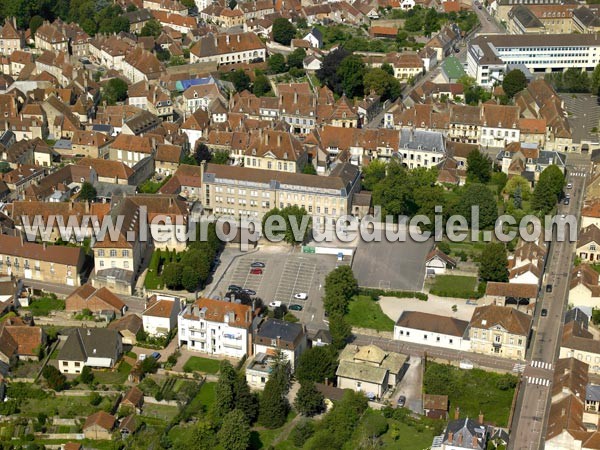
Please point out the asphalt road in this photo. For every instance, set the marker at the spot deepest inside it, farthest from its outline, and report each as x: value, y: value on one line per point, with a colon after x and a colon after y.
x: 533, y: 403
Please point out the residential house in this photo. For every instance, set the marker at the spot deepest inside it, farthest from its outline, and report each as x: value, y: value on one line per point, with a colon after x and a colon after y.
x: 113, y: 172
x: 421, y: 148
x: 465, y: 434
x: 274, y: 335
x: 90, y: 144
x: 98, y: 301
x: 131, y: 149
x: 216, y: 327
x: 137, y: 19
x: 186, y: 182
x: 430, y: 329
x: 141, y: 65
x: 128, y: 327
x: 152, y: 98
x: 435, y: 406
x: 133, y: 400
x: 314, y: 38
x: 499, y: 331
x: 579, y: 343
x: 275, y: 150
x: 369, y: 369
x: 526, y: 265
x: 160, y: 315
x: 444, y: 42
x: 142, y: 122
x: 196, y: 126
x: 228, y: 49
x: 40, y: 261
x: 92, y: 347
x: 584, y: 289
x: 19, y: 179
x: 437, y: 262
x: 167, y: 158
x: 21, y: 340
x: 588, y: 244
x: 11, y: 39
x: 99, y: 426
x: 201, y: 96
x: 590, y: 213
x: 258, y: 370
x: 500, y: 125
x: 50, y: 37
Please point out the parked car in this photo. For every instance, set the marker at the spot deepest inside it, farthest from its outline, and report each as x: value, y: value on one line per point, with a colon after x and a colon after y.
x: 256, y: 271
x: 275, y: 304
x: 569, y: 185
x: 234, y: 288
x: 301, y: 296
x: 567, y: 201
x: 401, y: 401
x: 258, y: 264
x: 544, y: 312
x: 155, y: 355
x: 248, y: 291
x: 296, y: 307
x: 548, y: 288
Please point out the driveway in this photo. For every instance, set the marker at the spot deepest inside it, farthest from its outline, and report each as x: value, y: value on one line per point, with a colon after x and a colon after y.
x: 411, y: 386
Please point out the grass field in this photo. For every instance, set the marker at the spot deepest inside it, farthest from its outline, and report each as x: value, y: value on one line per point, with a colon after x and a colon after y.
x: 163, y: 412
x: 44, y: 305
x: 118, y: 376
x: 65, y: 407
x: 454, y: 286
x: 199, y: 364
x: 472, y: 391
x: 365, y: 313
x: 410, y: 438
x: 203, y: 400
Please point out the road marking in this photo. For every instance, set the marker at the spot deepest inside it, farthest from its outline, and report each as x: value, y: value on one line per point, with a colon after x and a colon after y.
x: 541, y: 365
x: 538, y: 381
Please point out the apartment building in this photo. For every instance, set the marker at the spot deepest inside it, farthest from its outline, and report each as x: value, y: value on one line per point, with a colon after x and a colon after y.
x: 216, y: 327
x: 275, y: 150
x: 41, y: 262
x: 130, y: 149
x: 10, y: 38
x: 421, y: 148
x: 275, y: 336
x: 490, y: 56
x: 228, y: 49
x: 241, y: 191
x: 499, y: 331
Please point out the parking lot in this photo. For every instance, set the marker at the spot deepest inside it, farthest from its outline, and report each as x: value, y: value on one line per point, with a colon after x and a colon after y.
x: 584, y: 116
x: 286, y: 272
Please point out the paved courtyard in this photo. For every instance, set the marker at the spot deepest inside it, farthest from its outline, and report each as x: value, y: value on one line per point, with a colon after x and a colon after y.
x: 584, y: 116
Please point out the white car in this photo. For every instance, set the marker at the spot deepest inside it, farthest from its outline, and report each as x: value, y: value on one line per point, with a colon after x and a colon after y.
x: 275, y: 304
x: 570, y: 186
x: 301, y: 296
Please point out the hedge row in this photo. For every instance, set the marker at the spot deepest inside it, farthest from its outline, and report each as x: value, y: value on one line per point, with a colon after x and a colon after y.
x: 376, y: 293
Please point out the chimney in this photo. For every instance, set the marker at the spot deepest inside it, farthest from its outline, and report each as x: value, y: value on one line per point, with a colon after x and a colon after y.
x: 456, y: 413
x: 480, y: 418
x: 279, y: 140
x: 295, y: 96
x: 21, y: 236
x: 475, y: 442
x: 450, y: 436
x: 278, y: 341
x: 44, y: 246
x: 460, y: 440
x: 227, y: 39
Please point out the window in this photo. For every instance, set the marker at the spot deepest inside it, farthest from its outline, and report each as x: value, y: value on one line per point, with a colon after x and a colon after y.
x: 125, y: 253
x: 77, y: 364
x: 113, y: 253
x: 65, y: 363
x: 100, y: 253
x: 425, y: 336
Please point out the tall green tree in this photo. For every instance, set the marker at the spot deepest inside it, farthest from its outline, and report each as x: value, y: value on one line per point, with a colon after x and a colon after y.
x: 316, y: 364
x: 382, y: 83
x: 114, y: 91
x: 261, y: 86
x: 87, y: 193
x: 548, y: 189
x: 274, y: 406
x: 373, y: 174
x: 328, y: 74
x: 480, y: 196
x: 276, y: 63
x: 518, y: 182
x: 309, y: 401
x: 246, y: 400
x: 479, y: 167
x: 298, y: 224
x: 240, y: 80
x: 351, y: 72
x: 283, y: 31
x: 151, y: 28
x: 514, y: 81
x: 340, y: 330
x: 235, y: 431
x: 493, y: 263
x: 595, y: 80
x: 296, y: 58
x: 225, y: 390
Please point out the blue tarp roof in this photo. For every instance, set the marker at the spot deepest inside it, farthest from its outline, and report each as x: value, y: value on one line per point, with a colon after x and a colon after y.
x: 184, y: 84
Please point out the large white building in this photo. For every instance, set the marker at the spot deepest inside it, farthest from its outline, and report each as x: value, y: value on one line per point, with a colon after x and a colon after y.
x: 225, y: 49
x: 489, y: 56
x: 160, y: 316
x: 216, y: 327
x: 430, y: 329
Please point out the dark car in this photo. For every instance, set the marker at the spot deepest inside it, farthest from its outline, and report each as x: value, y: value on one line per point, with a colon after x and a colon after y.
x: 544, y: 312
x: 248, y: 292
x: 401, y: 401
x: 258, y: 264
x: 234, y: 288
x: 567, y: 201
x: 548, y: 288
x: 295, y: 307
x: 155, y: 355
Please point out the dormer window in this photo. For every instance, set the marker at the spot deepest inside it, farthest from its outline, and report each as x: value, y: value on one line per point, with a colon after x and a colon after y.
x: 253, y: 152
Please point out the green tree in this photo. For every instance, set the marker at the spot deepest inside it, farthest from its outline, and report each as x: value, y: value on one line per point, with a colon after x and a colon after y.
x: 276, y: 63
x: 54, y: 378
x: 309, y: 401
x: 261, y: 86
x: 351, y: 73
x: 302, y: 432
x: 149, y: 365
x: 387, y: 68
x: 328, y: 74
x: 431, y: 23
x: 373, y: 174
x: 548, y: 189
x: 232, y: 4
x: 173, y: 275
x: 340, y: 330
x: 87, y: 193
x: 297, y: 222
x: 479, y: 167
x: 246, y: 400
x: 35, y: 23
x: 493, y: 263
x: 235, y: 431
x: 151, y: 28
x: 478, y: 195
x: 296, y: 58
x: 240, y: 80
x: 413, y: 24
x: 283, y: 31
x: 274, y: 406
x: 86, y: 377
x: 220, y: 157
x: 115, y: 90
x: 518, y: 198
x: 190, y: 279
x: 514, y: 81
x: 576, y: 80
x: 518, y: 182
x: 384, y: 84
x: 309, y: 169
x: 340, y: 281
x: 316, y: 364
x: 595, y: 80
x: 225, y: 390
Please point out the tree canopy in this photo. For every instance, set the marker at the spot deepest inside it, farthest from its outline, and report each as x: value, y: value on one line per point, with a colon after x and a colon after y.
x: 479, y: 167
x: 548, y: 189
x: 294, y: 221
x: 87, y: 193
x: 514, y: 81
x: 151, y: 28
x: 283, y: 31
x: 493, y: 263
x: 478, y: 195
x: 115, y: 90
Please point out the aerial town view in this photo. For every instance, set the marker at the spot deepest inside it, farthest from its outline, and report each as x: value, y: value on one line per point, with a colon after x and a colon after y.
x: 300, y: 224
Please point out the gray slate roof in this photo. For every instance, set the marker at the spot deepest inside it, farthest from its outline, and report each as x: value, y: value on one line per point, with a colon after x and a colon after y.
x: 275, y: 328
x: 85, y: 342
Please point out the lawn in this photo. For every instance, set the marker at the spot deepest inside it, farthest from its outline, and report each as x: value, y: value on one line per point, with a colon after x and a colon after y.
x: 410, y: 438
x: 472, y: 391
x: 65, y: 407
x: 262, y: 437
x: 163, y: 412
x: 44, y: 305
x: 454, y: 286
x: 118, y: 376
x: 364, y: 312
x: 199, y: 364
x: 203, y: 400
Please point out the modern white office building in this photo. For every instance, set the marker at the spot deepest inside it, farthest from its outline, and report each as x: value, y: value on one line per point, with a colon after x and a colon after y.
x: 489, y: 56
